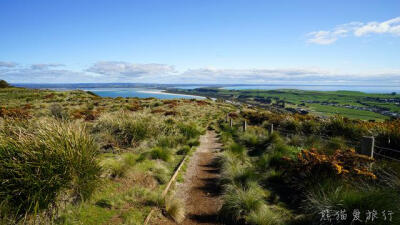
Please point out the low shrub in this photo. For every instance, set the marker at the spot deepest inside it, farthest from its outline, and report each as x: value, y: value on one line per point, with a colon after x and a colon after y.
x: 57, y: 111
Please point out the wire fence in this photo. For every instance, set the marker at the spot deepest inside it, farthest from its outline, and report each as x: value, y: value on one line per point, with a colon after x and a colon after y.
x: 381, y: 152
x: 386, y: 157
x: 387, y: 149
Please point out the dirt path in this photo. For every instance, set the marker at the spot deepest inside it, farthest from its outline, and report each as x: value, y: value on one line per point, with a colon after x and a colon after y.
x: 199, y: 190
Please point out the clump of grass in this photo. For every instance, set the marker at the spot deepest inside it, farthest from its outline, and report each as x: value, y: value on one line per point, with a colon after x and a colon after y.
x: 238, y: 151
x: 118, y: 168
x: 335, y: 143
x: 268, y: 215
x: 277, y: 156
x: 313, y: 141
x: 193, y: 142
x: 57, y: 111
x: 189, y: 130
x: 161, y: 174
x: 249, y: 139
x: 184, y: 150
x: 239, y: 203
x: 241, y: 175
x: 175, y: 208
x: 129, y: 129
x: 295, y: 140
x: 51, y: 158
x: 104, y: 203
x: 335, y: 195
x: 161, y: 153
x: 129, y: 159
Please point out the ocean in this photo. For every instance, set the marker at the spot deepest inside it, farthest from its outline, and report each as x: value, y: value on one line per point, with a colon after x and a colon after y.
x: 137, y: 92
x: 156, y: 90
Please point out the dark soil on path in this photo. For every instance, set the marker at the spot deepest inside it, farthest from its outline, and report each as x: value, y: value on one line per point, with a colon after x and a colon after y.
x: 200, y: 190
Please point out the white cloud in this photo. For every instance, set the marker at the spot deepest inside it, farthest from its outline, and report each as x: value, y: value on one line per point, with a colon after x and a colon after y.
x: 391, y: 26
x: 44, y: 73
x: 43, y: 66
x: 130, y: 70
x: 113, y: 72
x: 285, y: 76
x: 7, y: 64
x: 357, y: 29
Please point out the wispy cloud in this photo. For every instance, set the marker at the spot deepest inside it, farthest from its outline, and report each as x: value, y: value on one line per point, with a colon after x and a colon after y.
x: 130, y: 70
x: 103, y: 72
x: 43, y: 73
x: 43, y: 66
x: 356, y: 29
x: 7, y: 64
x: 288, y: 76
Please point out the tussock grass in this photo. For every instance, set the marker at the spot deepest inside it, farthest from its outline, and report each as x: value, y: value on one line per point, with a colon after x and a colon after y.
x: 162, y: 153
x: 129, y: 129
x: 239, y: 203
x: 49, y: 158
x: 334, y: 144
x: 116, y: 167
x: 184, y: 150
x: 335, y: 195
x: 161, y: 174
x: 238, y: 174
x: 268, y: 215
x: 175, y: 208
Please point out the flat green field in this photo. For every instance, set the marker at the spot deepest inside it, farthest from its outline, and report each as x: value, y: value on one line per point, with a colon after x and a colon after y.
x: 352, y: 104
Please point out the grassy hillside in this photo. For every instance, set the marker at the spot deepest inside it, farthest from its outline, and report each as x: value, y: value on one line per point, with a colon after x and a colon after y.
x: 307, y: 172
x: 76, y: 158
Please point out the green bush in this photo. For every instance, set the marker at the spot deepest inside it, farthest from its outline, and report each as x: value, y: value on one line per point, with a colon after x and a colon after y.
x: 4, y: 84
x: 340, y: 126
x: 37, y: 165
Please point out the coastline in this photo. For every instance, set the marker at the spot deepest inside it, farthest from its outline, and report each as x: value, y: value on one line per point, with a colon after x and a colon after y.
x: 165, y: 92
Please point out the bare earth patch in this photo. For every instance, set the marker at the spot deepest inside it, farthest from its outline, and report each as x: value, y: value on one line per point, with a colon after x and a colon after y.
x: 200, y: 190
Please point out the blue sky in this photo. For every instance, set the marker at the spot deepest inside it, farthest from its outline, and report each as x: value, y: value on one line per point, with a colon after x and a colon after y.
x: 200, y: 41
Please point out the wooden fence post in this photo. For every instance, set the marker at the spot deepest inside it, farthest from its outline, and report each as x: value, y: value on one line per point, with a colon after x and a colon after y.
x: 227, y: 117
x: 367, y: 146
x: 271, y: 129
x: 231, y: 123
x: 244, y: 126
